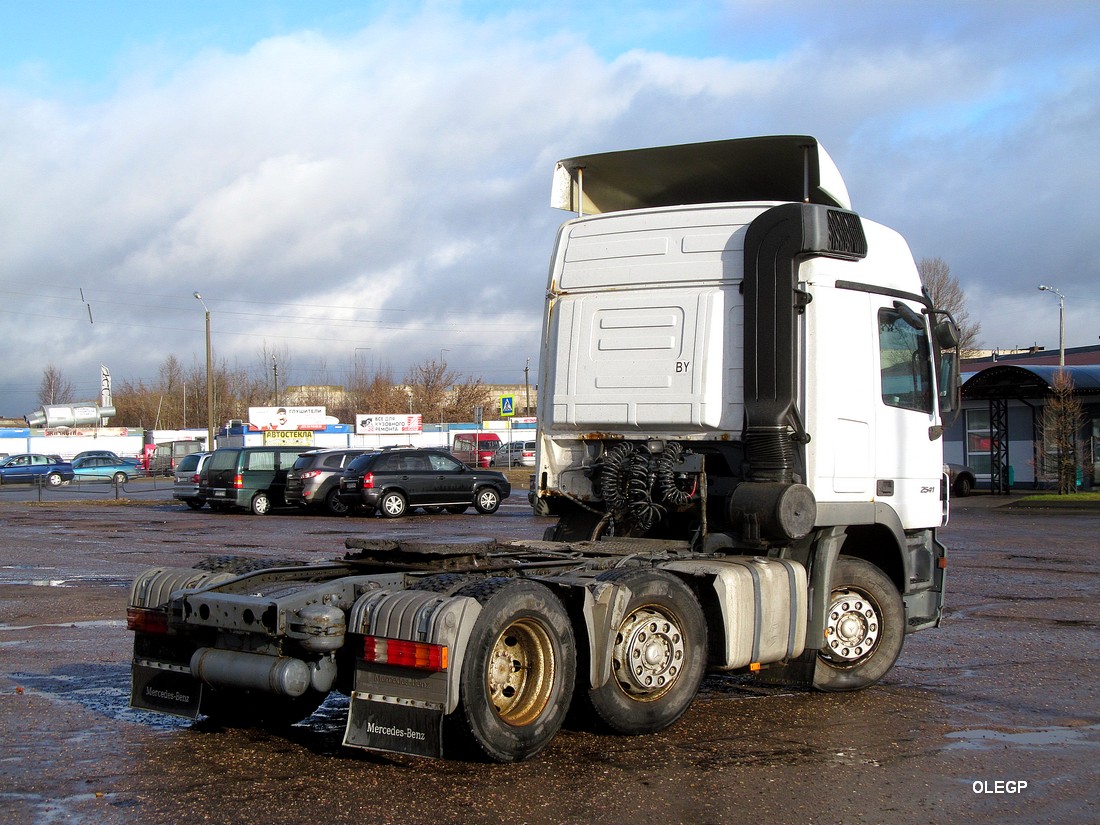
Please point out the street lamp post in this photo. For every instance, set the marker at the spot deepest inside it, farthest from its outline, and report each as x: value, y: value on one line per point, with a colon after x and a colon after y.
x: 1061, y: 323
x: 209, y: 381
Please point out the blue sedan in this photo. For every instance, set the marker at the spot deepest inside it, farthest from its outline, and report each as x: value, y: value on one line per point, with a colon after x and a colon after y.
x: 34, y: 468
x: 104, y: 468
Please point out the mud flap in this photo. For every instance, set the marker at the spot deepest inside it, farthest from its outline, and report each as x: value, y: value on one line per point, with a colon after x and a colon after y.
x: 165, y: 689
x: 415, y: 729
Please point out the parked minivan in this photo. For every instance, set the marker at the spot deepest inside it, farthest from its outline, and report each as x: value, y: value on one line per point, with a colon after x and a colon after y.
x: 167, y: 455
x: 251, y: 478
x: 475, y: 449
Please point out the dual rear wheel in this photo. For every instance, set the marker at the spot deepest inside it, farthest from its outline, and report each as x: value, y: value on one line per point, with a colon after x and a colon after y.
x: 520, y: 667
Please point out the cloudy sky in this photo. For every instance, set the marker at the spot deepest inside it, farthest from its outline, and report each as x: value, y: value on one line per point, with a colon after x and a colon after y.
x: 370, y: 180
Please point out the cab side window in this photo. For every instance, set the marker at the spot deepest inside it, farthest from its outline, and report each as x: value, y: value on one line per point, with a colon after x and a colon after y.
x: 905, y: 361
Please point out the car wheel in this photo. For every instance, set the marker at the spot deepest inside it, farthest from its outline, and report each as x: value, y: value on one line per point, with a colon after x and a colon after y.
x: 261, y: 504
x: 334, y: 504
x: 962, y: 487
x: 393, y: 505
x: 119, y: 478
x: 195, y: 503
x: 54, y: 479
x: 487, y: 500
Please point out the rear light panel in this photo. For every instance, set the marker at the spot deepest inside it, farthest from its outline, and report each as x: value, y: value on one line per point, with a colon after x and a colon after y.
x: 368, y: 481
x: 146, y: 620
x: 238, y: 481
x: 309, y: 474
x: 400, y: 653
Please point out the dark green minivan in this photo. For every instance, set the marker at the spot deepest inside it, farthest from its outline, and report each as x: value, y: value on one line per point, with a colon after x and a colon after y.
x: 249, y: 478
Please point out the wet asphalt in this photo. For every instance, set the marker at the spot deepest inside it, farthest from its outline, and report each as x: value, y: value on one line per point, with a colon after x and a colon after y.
x: 992, y: 718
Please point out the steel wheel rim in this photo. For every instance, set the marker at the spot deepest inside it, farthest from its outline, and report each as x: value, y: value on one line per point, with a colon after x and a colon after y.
x: 649, y: 653
x: 852, y: 627
x: 520, y: 672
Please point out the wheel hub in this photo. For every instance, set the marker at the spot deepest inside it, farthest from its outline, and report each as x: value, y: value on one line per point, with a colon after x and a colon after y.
x: 520, y: 672
x: 852, y: 627
x: 649, y: 653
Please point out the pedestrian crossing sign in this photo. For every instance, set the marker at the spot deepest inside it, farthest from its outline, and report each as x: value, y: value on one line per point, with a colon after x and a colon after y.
x: 507, y: 405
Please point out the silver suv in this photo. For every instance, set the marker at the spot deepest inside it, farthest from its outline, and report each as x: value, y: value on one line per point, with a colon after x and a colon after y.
x: 314, y: 480
x: 186, y: 485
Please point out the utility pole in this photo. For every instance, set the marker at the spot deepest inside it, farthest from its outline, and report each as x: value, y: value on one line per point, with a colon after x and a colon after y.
x: 275, y: 370
x: 527, y: 386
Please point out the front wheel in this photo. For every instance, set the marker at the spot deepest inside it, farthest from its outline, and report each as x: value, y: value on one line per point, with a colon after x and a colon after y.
x: 659, y: 654
x: 487, y: 501
x: 518, y: 670
x: 261, y: 504
x: 864, y: 628
x: 393, y: 505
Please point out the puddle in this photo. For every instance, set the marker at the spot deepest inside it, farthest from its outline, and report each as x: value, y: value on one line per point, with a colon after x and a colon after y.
x: 1035, y: 738
x: 89, y: 623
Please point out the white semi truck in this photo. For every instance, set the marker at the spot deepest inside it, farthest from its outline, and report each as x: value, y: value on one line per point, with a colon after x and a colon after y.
x: 740, y: 433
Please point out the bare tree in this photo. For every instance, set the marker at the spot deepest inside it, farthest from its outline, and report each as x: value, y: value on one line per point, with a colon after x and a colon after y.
x: 1063, y: 417
x: 55, y: 387
x: 440, y: 396
x: 948, y: 294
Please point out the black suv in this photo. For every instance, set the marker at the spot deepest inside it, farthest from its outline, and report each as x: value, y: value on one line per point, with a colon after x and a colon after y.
x: 392, y: 481
x: 314, y: 480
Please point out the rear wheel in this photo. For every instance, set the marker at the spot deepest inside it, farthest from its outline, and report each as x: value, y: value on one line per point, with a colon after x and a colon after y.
x: 334, y: 504
x: 54, y: 479
x: 864, y: 628
x: 518, y: 670
x: 393, y: 505
x: 261, y: 504
x: 487, y: 500
x: 659, y: 654
x: 962, y: 487
x: 119, y: 478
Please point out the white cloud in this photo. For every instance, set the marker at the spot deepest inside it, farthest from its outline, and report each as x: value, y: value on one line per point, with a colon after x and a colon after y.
x: 388, y: 187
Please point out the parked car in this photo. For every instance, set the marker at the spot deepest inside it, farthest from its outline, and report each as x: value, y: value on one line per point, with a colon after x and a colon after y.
x: 250, y: 478
x: 516, y: 454
x: 314, y: 480
x: 185, y: 487
x: 962, y: 479
x: 104, y: 468
x: 475, y: 449
x: 393, y: 481
x: 35, y: 468
x: 99, y: 454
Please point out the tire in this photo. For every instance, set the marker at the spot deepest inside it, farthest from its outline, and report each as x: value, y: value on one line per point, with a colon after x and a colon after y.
x: 457, y: 509
x: 659, y: 655
x: 242, y: 564
x: 195, y: 503
x: 334, y: 505
x: 119, y: 479
x: 261, y: 504
x: 963, y: 486
x: 864, y: 627
x: 247, y: 708
x: 517, y: 672
x: 487, y: 500
x: 393, y: 505
x: 54, y: 479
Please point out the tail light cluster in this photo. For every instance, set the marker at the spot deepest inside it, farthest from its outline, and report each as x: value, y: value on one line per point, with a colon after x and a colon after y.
x: 401, y: 653
x: 368, y: 481
x: 309, y: 474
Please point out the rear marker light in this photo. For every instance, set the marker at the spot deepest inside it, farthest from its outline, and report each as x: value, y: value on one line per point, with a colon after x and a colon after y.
x: 400, y: 653
x: 146, y: 620
x: 238, y: 482
x: 368, y: 481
